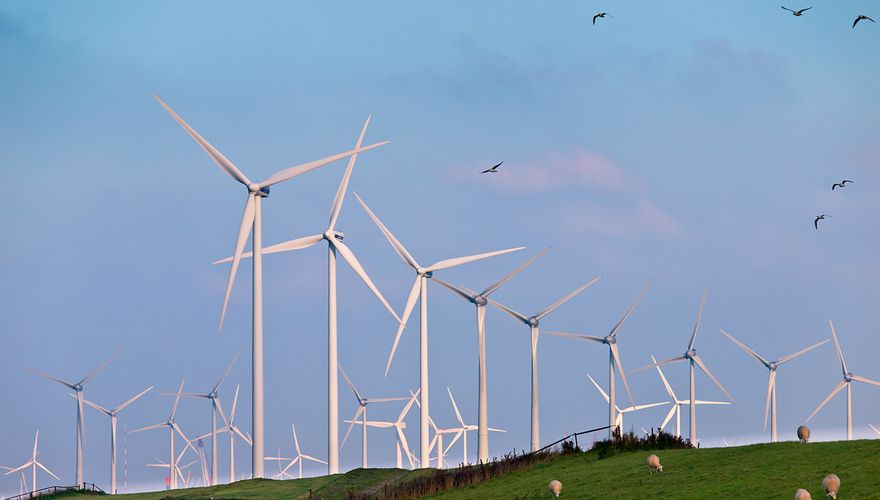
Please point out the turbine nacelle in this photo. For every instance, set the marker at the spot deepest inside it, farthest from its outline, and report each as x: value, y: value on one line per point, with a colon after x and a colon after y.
x: 480, y: 300
x: 423, y: 272
x: 773, y: 365
x: 610, y: 339
x: 848, y: 377
x: 533, y: 322
x: 257, y: 190
x: 691, y: 354
x: 78, y: 387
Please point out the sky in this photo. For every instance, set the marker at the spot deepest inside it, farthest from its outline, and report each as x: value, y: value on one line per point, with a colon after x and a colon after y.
x: 688, y: 142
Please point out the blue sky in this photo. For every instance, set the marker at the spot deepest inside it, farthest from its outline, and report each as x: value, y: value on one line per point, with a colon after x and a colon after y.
x: 688, y: 142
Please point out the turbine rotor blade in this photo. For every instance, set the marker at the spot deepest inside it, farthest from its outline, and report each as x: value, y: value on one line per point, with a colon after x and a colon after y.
x: 455, y: 407
x: 865, y: 380
x: 661, y: 363
x: 343, y: 186
x: 665, y: 382
x: 350, y: 384
x: 356, y: 266
x: 287, y: 246
x: 668, y: 417
x: 50, y: 377
x: 705, y: 369
x: 568, y: 297
x: 802, y: 351
x: 615, y: 353
x: 827, y: 399
x: 395, y: 244
x: 697, y: 322
x: 510, y: 312
x: 747, y: 349
x: 631, y: 308
x: 457, y: 261
x: 578, y: 336
x: 132, y: 400
x: 385, y: 400
x: 837, y: 346
x: 598, y: 388
x: 461, y: 292
x: 97, y: 370
x: 176, y: 401
x: 513, y: 273
x: 351, y: 425
x: 226, y: 371
x: 244, y: 231
x: 291, y: 172
x: 407, y: 310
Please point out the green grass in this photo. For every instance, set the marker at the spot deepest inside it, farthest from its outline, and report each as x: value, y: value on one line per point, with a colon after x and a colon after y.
x: 757, y: 471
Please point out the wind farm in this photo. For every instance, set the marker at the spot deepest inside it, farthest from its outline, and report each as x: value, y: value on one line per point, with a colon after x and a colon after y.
x: 641, y: 158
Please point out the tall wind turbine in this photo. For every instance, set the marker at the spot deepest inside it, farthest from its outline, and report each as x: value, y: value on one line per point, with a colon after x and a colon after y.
x: 693, y: 360
x: 77, y: 387
x: 401, y: 444
x: 362, y: 410
x: 419, y: 291
x: 300, y: 456
x: 613, y: 359
x: 213, y: 397
x: 770, y: 406
x: 33, y: 464
x: 618, y: 419
x: 848, y: 378
x: 480, y: 300
x: 532, y: 322
x: 252, y: 220
x: 677, y: 403
x: 334, y: 244
x: 173, y: 427
x: 112, y: 414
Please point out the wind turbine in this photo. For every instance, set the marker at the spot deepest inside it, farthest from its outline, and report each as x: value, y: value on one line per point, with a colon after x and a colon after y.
x: 22, y: 481
x: 112, y: 414
x: 173, y: 427
x: 464, y: 430
x: 33, y: 464
x: 179, y: 468
x: 398, y: 425
x: 419, y: 291
x: 480, y: 300
x: 362, y: 410
x: 278, y: 458
x: 252, y: 220
x: 334, y: 244
x: 613, y: 358
x: 694, y: 360
x: 233, y: 429
x: 677, y: 403
x: 77, y: 387
x: 298, y: 459
x: 770, y: 407
x: 876, y: 431
x: 848, y: 378
x: 618, y: 422
x: 533, y: 322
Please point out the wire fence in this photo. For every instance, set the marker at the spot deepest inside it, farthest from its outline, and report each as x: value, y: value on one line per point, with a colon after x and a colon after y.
x: 51, y: 490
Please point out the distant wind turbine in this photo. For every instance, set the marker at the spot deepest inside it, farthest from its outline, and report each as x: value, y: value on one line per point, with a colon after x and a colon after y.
x: 677, y: 403
x: 401, y: 444
x: 173, y: 427
x: 618, y: 422
x: 33, y: 464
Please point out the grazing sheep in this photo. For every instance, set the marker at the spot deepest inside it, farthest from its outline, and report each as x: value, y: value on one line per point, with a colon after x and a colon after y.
x: 831, y: 483
x: 654, y: 464
x: 556, y: 488
x: 802, y: 494
x: 803, y: 433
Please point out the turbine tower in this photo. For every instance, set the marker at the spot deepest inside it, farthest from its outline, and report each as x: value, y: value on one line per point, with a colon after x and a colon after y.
x: 362, y: 410
x: 252, y: 220
x: 112, y: 414
x: 173, y: 428
x: 533, y: 322
x: 613, y: 359
x: 677, y: 403
x: 77, y: 387
x: 33, y: 464
x: 480, y: 300
x: 419, y: 291
x: 848, y: 378
x: 770, y: 406
x: 693, y: 360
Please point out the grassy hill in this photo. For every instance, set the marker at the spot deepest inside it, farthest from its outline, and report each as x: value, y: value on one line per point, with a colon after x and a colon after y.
x: 757, y: 471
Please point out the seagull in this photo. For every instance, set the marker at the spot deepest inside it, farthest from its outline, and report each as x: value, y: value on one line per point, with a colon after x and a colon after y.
x: 601, y: 14
x: 854, y: 22
x: 494, y: 170
x: 797, y: 12
x: 820, y: 217
x: 841, y: 184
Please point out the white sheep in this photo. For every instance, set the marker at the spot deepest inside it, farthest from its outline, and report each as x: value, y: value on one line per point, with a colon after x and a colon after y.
x: 556, y: 488
x: 802, y: 494
x: 654, y: 464
x: 803, y: 433
x: 831, y: 483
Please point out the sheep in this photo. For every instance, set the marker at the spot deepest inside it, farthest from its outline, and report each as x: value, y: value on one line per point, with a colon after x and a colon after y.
x: 802, y: 494
x: 831, y: 483
x: 803, y: 433
x: 654, y: 463
x: 556, y: 488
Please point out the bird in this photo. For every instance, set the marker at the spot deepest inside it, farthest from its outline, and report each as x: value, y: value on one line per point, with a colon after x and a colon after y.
x: 601, y: 14
x: 820, y: 217
x: 494, y: 170
x: 854, y: 22
x: 797, y: 12
x: 841, y: 184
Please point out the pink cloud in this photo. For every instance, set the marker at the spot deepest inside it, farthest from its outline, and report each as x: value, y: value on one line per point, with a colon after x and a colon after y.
x: 581, y: 169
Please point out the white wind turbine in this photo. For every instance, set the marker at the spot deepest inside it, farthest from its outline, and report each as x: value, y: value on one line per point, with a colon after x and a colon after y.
x: 252, y: 220
x: 419, y: 291
x: 480, y: 300
x: 465, y: 428
x: 77, y: 387
x: 876, y: 431
x: 618, y: 421
x: 362, y: 411
x: 770, y: 406
x: 33, y: 464
x: 848, y: 378
x: 533, y: 322
x: 22, y: 481
x: 693, y: 360
x: 613, y: 359
x: 233, y: 429
x: 677, y: 403
x: 334, y: 243
x: 300, y: 456
x: 278, y: 458
x: 401, y: 444
x: 173, y: 427
x: 159, y: 464
x: 112, y: 414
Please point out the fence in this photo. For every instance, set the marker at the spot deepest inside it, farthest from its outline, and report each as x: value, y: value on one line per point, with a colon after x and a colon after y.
x: 51, y: 490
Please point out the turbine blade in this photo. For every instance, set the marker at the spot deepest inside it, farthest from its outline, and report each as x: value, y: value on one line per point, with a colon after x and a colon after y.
x: 343, y: 186
x: 697, y: 322
x: 615, y: 352
x: 293, y: 427
x: 705, y: 369
x: 802, y: 351
x: 747, y: 349
x: 227, y: 166
x: 132, y: 400
x: 93, y: 405
x: 47, y: 470
x: 661, y: 363
x: 176, y: 401
x: 244, y: 231
x: 291, y: 172
x: 568, y: 297
x: 407, y: 310
x: 513, y: 273
x: 770, y: 382
x: 452, y: 442
x: 287, y: 246
x: 631, y: 308
x: 97, y: 370
x: 385, y: 400
x: 309, y: 457
x: 646, y: 406
x: 356, y: 266
x: 242, y: 436
x: 601, y: 391
x: 668, y: 417
x: 234, y: 402
x: 579, y: 336
x: 665, y: 382
x: 409, y: 404
x: 149, y: 428
x: 837, y: 346
x: 226, y: 371
x: 510, y: 312
x: 395, y: 244
x: 402, y: 438
x: 50, y: 377
x: 350, y: 385
x: 827, y: 399
x: 461, y: 292
x: 874, y: 429
x: 351, y: 425
x: 216, y: 402
x: 701, y: 402
x: 457, y: 261
x: 865, y: 380
x: 455, y: 407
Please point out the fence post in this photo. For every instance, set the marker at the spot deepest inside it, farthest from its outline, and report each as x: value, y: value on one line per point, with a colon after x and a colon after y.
x: 576, y: 441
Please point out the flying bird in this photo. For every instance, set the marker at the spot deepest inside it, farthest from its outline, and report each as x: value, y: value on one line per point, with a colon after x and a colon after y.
x: 841, y: 184
x: 494, y: 170
x: 601, y: 14
x: 854, y: 22
x: 820, y: 217
x: 797, y: 12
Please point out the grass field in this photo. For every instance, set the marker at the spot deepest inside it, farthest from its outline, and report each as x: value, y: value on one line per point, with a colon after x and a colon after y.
x: 759, y: 471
